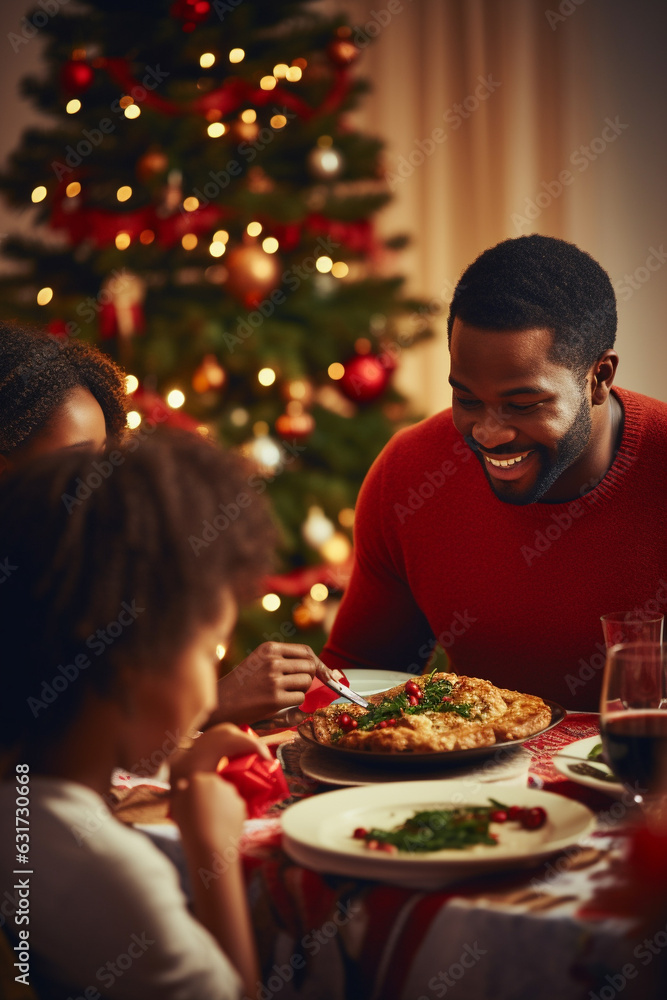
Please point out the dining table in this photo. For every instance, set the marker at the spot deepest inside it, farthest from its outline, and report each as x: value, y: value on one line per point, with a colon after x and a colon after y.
x: 586, y: 922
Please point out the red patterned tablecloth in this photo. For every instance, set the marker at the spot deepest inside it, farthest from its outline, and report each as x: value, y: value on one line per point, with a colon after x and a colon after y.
x: 560, y: 930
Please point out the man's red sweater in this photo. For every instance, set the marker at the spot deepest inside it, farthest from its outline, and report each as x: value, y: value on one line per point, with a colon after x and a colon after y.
x: 514, y: 594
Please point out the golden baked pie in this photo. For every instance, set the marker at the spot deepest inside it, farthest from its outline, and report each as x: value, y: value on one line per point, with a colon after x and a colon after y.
x: 430, y: 714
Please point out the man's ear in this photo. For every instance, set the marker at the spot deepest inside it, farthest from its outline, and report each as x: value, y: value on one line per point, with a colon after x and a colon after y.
x: 603, y: 374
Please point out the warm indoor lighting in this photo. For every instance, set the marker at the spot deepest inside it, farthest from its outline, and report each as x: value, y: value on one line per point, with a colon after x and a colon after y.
x: 324, y: 264
x: 133, y: 419
x: 125, y: 101
x: 38, y: 194
x: 340, y: 269
x: 216, y: 129
x: 239, y: 416
x: 175, y: 399
x: 346, y: 517
x: 249, y: 116
x: 123, y: 241
x: 133, y: 111
x: 236, y: 55
x: 44, y: 296
x: 319, y: 592
x: 73, y: 106
x: 270, y: 244
x: 278, y: 121
x: 217, y: 248
x: 131, y: 384
x: 260, y: 428
x: 268, y: 82
x: 254, y: 228
x: 293, y: 74
x: 206, y: 60
x: 270, y: 602
x: 191, y: 204
x: 189, y: 241
x: 280, y: 71
x: 73, y: 189
x: 146, y: 236
x: 335, y: 370
x: 266, y: 376
x: 124, y: 193
x: 336, y: 549
x: 221, y: 236
x: 220, y: 651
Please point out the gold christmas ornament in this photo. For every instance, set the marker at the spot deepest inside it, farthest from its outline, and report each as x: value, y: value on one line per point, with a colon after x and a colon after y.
x: 252, y: 273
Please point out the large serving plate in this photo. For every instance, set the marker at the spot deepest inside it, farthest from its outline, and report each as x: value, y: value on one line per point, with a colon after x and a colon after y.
x: 435, y: 758
x: 317, y: 832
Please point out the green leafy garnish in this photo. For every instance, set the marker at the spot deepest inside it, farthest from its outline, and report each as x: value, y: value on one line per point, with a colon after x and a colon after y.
x: 434, y: 692
x: 596, y: 752
x: 437, y: 829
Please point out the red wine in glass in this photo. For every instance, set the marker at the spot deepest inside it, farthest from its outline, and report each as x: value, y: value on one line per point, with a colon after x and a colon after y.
x: 635, y: 745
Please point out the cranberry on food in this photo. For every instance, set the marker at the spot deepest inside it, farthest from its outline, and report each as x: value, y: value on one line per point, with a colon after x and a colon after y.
x: 533, y: 819
x: 446, y: 697
x: 346, y: 722
x: 515, y: 812
x: 391, y: 722
x: 360, y: 833
x: 413, y: 700
x: 499, y: 816
x: 353, y: 724
x: 382, y: 724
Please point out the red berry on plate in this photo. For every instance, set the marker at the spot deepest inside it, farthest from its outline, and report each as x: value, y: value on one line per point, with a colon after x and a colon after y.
x: 353, y: 724
x: 373, y: 844
x: 391, y: 722
x: 344, y: 720
x: 382, y: 724
x: 446, y: 697
x: 360, y: 833
x: 533, y: 819
x: 388, y: 848
x: 499, y: 816
x: 413, y: 700
x: 515, y: 812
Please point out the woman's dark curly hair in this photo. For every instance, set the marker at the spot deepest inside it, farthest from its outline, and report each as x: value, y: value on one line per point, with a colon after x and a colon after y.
x: 159, y: 527
x: 38, y: 371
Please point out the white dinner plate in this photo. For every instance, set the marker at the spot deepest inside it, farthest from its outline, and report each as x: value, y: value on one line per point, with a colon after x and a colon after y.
x: 373, y: 681
x: 581, y: 749
x: 317, y: 832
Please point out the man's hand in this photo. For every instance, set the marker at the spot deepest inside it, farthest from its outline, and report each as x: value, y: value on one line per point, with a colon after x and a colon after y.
x: 275, y: 676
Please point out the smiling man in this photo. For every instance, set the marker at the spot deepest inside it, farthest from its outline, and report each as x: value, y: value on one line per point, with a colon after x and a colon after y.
x: 503, y: 528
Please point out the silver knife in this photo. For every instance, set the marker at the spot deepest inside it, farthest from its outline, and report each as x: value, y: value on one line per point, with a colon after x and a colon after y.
x: 346, y: 692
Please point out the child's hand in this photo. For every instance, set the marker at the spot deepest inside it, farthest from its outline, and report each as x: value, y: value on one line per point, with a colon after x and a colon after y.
x: 224, y: 740
x: 208, y: 811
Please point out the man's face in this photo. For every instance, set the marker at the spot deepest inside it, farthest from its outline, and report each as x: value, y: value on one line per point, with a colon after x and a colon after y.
x: 514, y: 406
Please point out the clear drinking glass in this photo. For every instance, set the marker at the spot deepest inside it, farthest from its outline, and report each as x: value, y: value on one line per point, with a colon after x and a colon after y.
x: 620, y: 626
x: 633, y: 720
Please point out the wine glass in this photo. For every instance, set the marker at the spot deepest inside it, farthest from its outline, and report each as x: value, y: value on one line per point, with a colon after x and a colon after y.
x: 620, y: 626
x: 633, y: 721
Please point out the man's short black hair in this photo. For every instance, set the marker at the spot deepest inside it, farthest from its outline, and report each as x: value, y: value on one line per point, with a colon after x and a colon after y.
x: 90, y: 540
x: 37, y: 373
x: 541, y: 282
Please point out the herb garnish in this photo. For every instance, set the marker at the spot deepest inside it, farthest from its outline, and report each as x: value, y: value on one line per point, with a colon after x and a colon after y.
x: 434, y: 692
x: 437, y: 829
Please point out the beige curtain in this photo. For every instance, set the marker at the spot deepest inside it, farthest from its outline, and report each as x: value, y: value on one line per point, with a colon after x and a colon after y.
x: 506, y: 117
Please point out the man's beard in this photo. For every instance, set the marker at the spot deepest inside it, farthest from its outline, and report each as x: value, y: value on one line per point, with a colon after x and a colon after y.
x: 568, y: 450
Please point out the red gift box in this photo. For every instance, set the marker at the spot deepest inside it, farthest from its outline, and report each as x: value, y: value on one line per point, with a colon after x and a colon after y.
x: 260, y: 782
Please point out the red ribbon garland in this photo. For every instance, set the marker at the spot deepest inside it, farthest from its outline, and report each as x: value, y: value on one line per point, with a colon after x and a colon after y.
x: 230, y: 96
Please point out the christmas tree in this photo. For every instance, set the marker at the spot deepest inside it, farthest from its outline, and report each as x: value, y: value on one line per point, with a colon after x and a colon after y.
x: 204, y: 212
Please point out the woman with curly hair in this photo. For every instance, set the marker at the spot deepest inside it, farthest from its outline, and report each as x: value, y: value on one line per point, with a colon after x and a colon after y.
x: 55, y: 394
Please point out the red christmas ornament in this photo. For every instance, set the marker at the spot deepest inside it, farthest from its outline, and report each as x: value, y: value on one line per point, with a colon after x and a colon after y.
x: 342, y: 52
x: 253, y: 273
x: 76, y: 76
x: 366, y: 377
x: 191, y: 12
